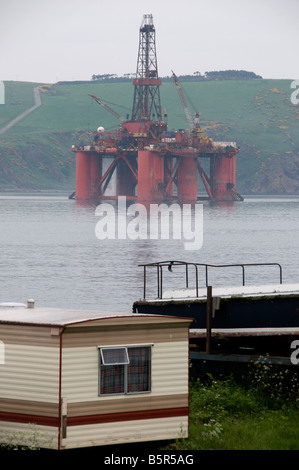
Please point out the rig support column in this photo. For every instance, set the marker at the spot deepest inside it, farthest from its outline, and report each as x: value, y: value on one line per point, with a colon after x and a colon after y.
x: 88, y: 171
x: 187, y: 180
x: 223, y: 169
x: 150, y: 176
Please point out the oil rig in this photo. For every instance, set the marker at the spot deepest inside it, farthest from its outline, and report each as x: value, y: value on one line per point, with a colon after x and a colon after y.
x: 145, y: 161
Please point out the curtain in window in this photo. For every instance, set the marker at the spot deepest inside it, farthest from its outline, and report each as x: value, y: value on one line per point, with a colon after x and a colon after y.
x: 138, y: 370
x: 112, y: 379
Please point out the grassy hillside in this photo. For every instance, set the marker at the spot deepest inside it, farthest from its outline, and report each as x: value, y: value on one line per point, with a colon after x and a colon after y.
x: 257, y: 114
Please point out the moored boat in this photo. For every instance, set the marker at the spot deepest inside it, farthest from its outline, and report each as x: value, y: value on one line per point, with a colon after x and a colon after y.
x: 259, y: 318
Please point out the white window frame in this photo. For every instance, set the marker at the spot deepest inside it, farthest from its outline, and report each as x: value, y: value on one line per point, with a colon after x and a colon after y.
x: 114, y: 363
x: 125, y: 372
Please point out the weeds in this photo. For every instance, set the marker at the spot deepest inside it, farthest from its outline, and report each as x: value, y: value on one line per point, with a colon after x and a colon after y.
x: 31, y: 438
x: 275, y: 385
x: 260, y: 414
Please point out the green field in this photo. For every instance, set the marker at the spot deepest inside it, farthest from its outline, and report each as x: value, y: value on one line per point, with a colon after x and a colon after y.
x: 257, y: 114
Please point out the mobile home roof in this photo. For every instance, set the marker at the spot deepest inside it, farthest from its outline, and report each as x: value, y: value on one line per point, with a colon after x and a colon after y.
x: 62, y: 317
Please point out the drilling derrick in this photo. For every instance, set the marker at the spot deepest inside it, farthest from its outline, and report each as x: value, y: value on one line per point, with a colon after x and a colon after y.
x: 146, y: 103
x: 145, y: 161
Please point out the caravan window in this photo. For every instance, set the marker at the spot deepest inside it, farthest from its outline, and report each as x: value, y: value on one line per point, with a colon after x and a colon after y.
x: 114, y: 356
x: 124, y: 370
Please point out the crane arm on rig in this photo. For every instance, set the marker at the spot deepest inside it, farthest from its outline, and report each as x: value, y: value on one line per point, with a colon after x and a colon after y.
x: 193, y: 123
x: 183, y: 101
x: 100, y: 102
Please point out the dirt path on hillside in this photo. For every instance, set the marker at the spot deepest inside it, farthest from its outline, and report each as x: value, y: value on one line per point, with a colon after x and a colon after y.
x: 38, y: 102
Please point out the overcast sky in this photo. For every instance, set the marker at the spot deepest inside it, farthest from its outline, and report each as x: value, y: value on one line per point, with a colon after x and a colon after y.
x: 51, y: 40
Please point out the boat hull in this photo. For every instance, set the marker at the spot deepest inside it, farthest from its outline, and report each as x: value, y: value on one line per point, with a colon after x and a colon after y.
x: 273, y: 311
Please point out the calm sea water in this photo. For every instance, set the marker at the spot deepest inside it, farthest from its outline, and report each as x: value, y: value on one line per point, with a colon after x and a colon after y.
x: 49, y: 250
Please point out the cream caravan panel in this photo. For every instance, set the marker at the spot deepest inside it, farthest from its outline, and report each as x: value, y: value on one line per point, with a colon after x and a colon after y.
x: 171, y: 368
x: 30, y: 373
x: 124, y: 432
x: 80, y: 372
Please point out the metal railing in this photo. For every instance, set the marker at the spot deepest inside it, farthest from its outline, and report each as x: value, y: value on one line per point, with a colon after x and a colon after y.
x: 170, y: 264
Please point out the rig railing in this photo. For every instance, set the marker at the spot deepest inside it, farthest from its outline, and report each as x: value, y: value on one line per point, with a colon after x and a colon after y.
x: 170, y: 264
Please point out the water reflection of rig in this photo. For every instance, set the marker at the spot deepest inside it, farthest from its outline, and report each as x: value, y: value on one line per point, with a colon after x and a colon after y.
x: 144, y: 160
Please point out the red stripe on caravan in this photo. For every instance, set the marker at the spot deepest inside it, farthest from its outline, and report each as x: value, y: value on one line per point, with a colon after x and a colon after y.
x: 95, y: 419
x: 130, y: 416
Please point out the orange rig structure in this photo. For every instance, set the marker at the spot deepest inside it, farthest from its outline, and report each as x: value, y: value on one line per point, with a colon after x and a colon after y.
x: 143, y: 160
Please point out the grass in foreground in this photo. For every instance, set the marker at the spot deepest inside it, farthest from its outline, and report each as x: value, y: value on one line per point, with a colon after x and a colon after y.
x: 227, y: 416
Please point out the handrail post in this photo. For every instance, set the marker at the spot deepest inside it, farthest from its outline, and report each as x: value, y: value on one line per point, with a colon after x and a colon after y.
x: 158, y: 282
x: 280, y: 272
x: 187, y: 277
x: 243, y: 273
x: 208, y: 319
